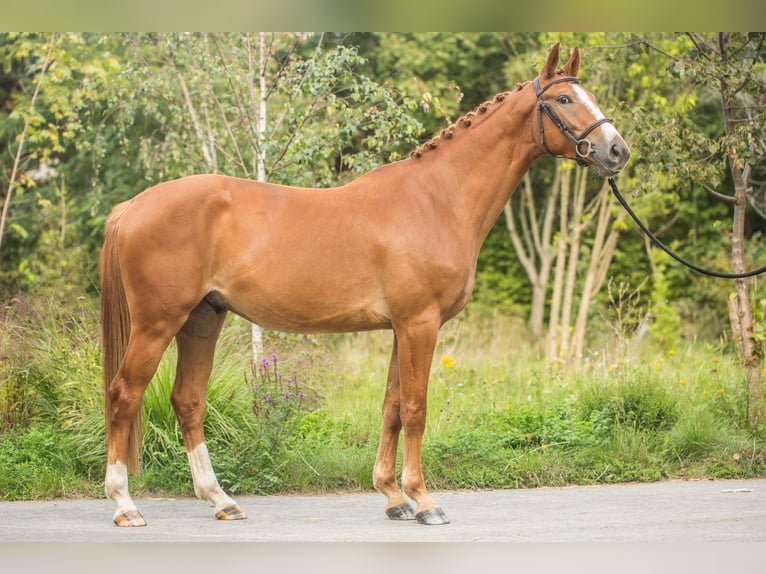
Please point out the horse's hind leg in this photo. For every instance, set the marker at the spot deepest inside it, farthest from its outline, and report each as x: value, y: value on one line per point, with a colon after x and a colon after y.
x: 196, y: 347
x: 126, y: 390
x: 384, y: 474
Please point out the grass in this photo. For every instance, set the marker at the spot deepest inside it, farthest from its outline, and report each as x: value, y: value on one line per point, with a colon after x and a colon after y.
x: 499, y: 417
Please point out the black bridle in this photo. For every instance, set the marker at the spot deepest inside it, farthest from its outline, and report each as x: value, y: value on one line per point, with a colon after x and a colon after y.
x: 579, y: 141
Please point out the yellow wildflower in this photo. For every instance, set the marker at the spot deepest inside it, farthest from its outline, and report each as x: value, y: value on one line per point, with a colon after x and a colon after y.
x: 447, y: 362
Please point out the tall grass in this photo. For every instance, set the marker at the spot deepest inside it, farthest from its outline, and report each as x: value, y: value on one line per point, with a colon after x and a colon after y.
x: 498, y: 415
x: 52, y: 430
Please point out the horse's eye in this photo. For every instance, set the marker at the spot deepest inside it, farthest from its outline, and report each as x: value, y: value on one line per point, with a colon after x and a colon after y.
x: 564, y: 100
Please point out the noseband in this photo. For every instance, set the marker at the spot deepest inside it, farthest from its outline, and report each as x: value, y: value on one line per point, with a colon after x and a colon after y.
x: 579, y: 141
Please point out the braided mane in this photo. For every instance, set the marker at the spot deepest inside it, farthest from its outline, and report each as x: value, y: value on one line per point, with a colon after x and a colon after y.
x: 464, y: 121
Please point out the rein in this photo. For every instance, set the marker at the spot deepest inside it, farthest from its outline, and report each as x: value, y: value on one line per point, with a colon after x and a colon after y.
x: 544, y: 106
x: 669, y: 251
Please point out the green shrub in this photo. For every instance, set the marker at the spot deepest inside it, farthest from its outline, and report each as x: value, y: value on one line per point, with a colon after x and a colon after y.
x: 639, y: 402
x: 698, y: 435
x: 35, y: 463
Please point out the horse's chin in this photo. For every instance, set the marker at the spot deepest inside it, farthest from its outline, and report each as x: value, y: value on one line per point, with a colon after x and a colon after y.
x: 607, y: 169
x: 606, y: 172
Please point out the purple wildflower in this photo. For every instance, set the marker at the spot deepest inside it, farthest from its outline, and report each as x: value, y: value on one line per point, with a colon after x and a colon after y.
x: 265, y: 363
x: 287, y: 394
x: 274, y: 359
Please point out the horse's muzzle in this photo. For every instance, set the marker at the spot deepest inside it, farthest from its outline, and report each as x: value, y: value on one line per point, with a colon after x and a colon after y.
x: 611, y: 163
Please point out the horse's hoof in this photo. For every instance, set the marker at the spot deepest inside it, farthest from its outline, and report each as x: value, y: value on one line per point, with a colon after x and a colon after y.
x: 432, y: 516
x: 401, y: 512
x: 129, y: 518
x: 233, y: 512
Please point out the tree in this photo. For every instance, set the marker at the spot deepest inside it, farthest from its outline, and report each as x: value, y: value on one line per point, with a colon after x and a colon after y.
x: 23, y: 137
x: 532, y: 240
x: 721, y: 157
x: 745, y: 141
x: 579, y: 253
x: 53, y: 84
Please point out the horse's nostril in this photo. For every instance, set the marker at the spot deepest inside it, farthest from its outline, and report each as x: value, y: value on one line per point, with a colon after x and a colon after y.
x: 619, y: 152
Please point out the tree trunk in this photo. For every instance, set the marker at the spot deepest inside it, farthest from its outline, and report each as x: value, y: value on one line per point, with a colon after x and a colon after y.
x: 573, y: 259
x: 752, y: 354
x: 256, y: 333
x: 533, y: 245
x: 602, y: 251
x: 554, y: 321
x: 565, y: 341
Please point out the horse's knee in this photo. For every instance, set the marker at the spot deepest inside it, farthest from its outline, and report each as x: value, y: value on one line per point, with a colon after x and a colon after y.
x: 413, y: 416
x: 392, y: 420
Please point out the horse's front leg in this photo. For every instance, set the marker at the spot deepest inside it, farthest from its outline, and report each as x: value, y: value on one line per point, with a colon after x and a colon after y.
x: 415, y: 349
x: 384, y: 474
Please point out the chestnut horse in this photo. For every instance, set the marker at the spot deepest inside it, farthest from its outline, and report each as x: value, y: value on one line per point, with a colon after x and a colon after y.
x: 394, y: 249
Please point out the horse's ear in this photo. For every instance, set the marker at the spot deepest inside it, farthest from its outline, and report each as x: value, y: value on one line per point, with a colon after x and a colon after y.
x: 549, y: 70
x: 572, y: 67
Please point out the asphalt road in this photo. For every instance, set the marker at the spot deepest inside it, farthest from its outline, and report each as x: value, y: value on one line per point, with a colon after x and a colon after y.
x: 676, y: 511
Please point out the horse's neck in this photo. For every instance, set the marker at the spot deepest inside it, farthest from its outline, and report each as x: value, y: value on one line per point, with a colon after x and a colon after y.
x: 480, y: 166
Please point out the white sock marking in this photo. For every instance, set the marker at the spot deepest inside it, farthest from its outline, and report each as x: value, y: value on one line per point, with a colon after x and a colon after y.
x: 116, y: 487
x: 206, y: 484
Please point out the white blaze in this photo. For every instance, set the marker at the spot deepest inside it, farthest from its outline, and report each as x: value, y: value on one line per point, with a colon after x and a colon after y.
x: 607, y: 129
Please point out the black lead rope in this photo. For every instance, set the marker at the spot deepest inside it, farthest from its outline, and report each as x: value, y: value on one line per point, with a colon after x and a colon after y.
x: 670, y: 252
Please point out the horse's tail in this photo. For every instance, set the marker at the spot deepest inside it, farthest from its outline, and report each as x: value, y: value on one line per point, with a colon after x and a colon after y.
x: 115, y: 330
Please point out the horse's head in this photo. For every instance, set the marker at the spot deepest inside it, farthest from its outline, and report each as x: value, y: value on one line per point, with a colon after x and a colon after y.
x: 569, y: 121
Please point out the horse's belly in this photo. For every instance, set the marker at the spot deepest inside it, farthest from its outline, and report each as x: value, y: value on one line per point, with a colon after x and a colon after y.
x: 304, y: 312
